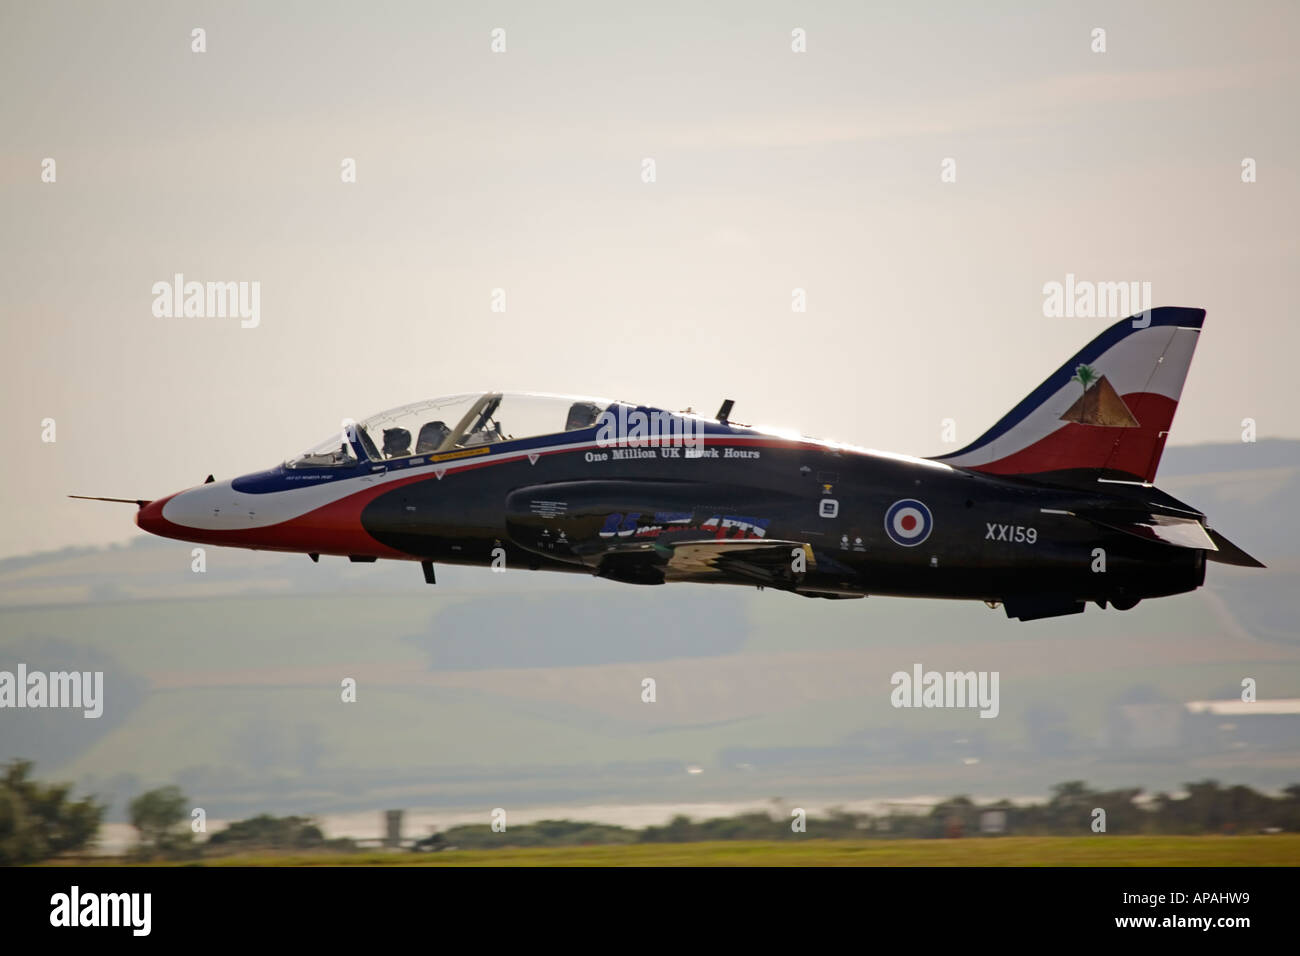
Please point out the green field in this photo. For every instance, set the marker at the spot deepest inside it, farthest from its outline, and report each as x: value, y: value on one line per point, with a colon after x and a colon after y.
x: 1100, y: 850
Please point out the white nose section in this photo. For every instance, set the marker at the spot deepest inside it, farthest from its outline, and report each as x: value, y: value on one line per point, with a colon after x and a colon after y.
x: 216, y: 506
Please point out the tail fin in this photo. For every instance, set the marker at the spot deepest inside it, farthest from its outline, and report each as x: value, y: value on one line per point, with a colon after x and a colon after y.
x: 1103, y: 414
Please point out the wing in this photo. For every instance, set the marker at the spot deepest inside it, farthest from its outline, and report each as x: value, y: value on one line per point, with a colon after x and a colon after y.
x: 781, y: 565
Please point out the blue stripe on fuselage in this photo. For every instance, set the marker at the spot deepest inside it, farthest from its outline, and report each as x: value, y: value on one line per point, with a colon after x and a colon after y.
x: 281, y: 478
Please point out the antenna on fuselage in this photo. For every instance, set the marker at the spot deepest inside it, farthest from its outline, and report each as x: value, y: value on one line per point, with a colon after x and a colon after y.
x: 725, y: 411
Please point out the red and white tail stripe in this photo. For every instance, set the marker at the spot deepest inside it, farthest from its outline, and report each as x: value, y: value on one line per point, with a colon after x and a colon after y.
x: 1103, y: 414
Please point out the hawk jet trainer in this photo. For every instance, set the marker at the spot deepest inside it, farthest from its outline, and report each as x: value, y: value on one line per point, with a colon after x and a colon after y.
x: 1051, y: 508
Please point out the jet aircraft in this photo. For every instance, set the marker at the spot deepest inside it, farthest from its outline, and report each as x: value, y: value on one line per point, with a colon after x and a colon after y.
x: 1051, y: 508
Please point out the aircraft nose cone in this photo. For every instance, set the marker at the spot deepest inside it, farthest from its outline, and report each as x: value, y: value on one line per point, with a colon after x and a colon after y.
x: 207, y: 513
x: 150, y: 517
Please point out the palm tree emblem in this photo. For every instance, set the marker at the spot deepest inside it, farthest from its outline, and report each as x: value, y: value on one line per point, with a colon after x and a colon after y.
x: 1085, y: 375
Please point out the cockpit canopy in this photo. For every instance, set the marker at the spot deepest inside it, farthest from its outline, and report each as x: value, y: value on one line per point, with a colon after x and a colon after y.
x: 440, y: 425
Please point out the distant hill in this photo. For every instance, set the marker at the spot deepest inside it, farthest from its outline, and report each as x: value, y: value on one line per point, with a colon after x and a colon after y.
x: 1207, y: 459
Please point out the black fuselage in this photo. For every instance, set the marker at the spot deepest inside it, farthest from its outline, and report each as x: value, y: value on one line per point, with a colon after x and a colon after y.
x: 992, y: 538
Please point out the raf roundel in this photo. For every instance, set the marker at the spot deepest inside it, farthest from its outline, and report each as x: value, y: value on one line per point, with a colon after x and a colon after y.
x: 908, y: 522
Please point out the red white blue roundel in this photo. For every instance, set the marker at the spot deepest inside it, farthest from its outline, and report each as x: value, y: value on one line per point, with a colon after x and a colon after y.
x: 908, y: 522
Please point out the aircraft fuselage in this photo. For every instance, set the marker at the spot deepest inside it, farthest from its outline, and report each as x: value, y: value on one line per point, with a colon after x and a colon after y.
x: 868, y: 523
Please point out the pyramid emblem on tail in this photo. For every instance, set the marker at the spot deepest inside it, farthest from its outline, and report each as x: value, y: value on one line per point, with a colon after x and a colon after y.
x: 1099, y: 404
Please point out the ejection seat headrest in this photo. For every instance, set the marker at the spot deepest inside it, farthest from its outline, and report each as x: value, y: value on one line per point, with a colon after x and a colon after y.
x: 432, y: 435
x: 581, y: 415
x: 397, y: 442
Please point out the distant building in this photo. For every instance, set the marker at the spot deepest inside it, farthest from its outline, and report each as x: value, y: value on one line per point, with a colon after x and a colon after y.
x: 1236, y: 724
x: 393, y: 828
x: 1236, y: 708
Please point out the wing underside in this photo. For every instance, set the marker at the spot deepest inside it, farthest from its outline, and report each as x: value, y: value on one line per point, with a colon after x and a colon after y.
x: 782, y: 565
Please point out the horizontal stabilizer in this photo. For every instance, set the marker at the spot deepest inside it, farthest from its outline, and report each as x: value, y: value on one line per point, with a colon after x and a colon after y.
x: 1229, y: 553
x: 1164, y: 529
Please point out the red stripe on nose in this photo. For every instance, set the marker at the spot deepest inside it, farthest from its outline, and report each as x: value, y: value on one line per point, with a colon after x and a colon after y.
x: 149, y: 518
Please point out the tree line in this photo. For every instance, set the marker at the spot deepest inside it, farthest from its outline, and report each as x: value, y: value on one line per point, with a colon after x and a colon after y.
x: 1071, y: 810
x: 39, y: 821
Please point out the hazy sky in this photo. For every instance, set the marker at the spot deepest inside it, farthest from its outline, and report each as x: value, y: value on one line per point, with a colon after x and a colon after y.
x: 522, y: 170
